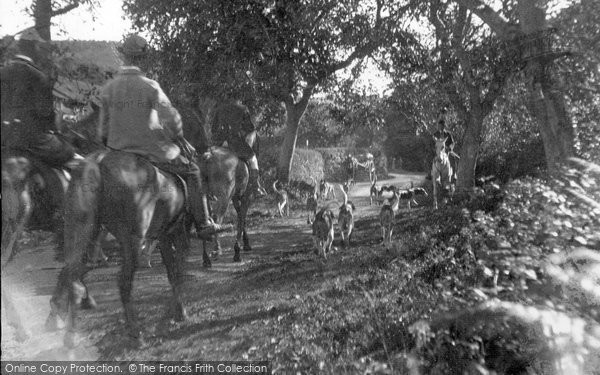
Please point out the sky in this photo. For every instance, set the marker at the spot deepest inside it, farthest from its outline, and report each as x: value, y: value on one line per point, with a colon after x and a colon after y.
x: 105, y: 22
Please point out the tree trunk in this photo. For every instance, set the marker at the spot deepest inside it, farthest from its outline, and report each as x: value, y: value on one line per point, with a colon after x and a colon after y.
x: 547, y: 104
x: 42, y: 14
x: 294, y: 113
x: 469, y: 151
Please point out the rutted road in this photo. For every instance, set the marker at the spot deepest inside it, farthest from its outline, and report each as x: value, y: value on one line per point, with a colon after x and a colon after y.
x: 32, y: 277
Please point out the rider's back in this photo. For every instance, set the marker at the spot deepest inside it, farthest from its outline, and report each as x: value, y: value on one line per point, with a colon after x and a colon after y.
x: 133, y: 104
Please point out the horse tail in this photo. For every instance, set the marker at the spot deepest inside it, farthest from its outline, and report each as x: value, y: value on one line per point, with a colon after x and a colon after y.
x: 81, y: 211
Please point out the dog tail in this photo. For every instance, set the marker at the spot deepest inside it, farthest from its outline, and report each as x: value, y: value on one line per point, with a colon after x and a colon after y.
x: 344, y: 194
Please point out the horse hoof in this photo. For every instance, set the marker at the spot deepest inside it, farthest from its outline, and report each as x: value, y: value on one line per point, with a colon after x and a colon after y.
x: 89, y: 303
x: 207, y: 264
x: 70, y: 340
x: 52, y: 323
x: 247, y: 248
x: 180, y: 314
x: 237, y: 258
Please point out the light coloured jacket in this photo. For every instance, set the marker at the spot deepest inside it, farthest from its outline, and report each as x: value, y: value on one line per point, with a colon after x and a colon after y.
x: 137, y: 117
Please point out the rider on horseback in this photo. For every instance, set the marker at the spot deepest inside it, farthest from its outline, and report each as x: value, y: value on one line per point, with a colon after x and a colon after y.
x: 28, y: 106
x: 233, y: 124
x: 442, y: 133
x: 138, y: 117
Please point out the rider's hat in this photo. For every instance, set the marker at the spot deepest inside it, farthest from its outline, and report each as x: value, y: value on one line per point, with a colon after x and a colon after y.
x: 134, y: 45
x: 369, y: 156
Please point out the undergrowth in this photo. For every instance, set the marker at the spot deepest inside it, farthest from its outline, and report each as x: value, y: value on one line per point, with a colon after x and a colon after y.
x: 506, y: 282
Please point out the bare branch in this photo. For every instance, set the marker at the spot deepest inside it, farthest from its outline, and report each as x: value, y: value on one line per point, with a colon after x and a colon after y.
x: 493, y: 19
x: 65, y: 9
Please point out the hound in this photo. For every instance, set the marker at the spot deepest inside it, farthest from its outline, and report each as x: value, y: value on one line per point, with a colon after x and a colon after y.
x: 346, y: 219
x: 322, y: 230
x: 326, y: 190
x: 311, y: 202
x: 282, y: 200
x: 375, y: 192
x: 410, y: 194
x: 387, y: 217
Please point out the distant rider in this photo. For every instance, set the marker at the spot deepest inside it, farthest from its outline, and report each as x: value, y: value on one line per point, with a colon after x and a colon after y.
x: 442, y: 132
x: 234, y: 126
x: 28, y: 106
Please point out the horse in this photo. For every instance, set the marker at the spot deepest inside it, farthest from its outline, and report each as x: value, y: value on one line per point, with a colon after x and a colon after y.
x: 134, y: 201
x: 32, y: 198
x: 226, y: 176
x: 441, y: 173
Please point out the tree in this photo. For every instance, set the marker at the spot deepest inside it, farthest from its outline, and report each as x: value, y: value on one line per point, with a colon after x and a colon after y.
x: 532, y: 38
x: 44, y: 10
x: 271, y: 50
x: 465, y: 69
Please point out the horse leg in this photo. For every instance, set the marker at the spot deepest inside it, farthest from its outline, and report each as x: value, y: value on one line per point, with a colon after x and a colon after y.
x: 130, y: 248
x: 172, y: 258
x: 217, y: 251
x: 247, y: 246
x: 434, y: 178
x: 13, y: 318
x: 69, y: 280
x: 206, y: 262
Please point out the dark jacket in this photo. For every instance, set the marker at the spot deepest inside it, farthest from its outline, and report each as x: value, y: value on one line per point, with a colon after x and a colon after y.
x: 26, y: 96
x: 232, y: 123
x: 449, y: 139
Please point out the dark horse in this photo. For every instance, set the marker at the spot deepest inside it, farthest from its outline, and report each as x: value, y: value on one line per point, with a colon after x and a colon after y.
x: 32, y: 198
x: 227, y: 178
x: 133, y: 200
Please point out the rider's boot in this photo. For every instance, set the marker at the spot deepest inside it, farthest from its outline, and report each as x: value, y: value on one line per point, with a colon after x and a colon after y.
x: 205, y: 226
x: 253, y: 178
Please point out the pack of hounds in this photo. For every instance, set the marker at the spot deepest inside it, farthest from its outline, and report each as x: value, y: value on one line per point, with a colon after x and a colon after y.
x: 323, y: 220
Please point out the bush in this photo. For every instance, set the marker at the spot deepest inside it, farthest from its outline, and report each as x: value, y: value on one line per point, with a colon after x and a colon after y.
x: 306, y: 163
x: 524, y: 159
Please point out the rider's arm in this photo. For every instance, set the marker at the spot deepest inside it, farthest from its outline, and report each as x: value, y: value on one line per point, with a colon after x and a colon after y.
x: 42, y: 100
x: 102, y: 130
x: 167, y: 114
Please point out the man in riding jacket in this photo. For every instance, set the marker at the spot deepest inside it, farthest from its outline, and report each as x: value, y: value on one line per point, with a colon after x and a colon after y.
x: 233, y: 124
x: 137, y: 117
x: 452, y: 156
x: 28, y: 106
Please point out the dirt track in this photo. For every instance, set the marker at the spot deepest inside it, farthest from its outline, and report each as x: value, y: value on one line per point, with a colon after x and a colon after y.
x: 223, y: 306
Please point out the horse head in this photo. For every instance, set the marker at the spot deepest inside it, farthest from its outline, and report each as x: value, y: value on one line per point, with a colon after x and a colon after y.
x: 440, y: 148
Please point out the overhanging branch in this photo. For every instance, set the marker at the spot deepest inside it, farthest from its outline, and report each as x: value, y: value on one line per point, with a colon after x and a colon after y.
x: 65, y: 9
